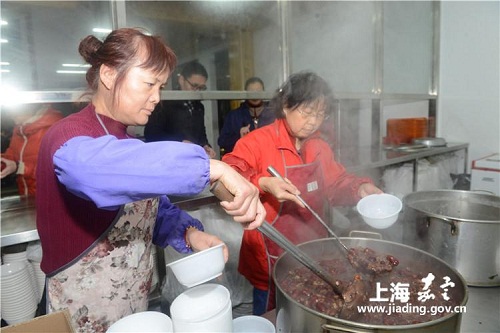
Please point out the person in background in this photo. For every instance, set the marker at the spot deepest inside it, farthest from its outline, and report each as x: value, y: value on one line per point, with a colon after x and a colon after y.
x: 102, y: 196
x: 294, y: 146
x: 182, y: 120
x: 31, y: 124
x: 252, y: 114
x: 7, y: 124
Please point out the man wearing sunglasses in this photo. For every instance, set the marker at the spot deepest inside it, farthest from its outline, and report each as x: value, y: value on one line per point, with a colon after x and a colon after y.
x: 182, y: 120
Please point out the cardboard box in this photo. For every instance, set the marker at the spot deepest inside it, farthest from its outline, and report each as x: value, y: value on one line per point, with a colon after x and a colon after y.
x: 56, y: 322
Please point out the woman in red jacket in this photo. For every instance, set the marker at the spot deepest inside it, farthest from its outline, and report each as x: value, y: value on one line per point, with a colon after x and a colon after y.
x: 295, y: 147
x: 22, y: 154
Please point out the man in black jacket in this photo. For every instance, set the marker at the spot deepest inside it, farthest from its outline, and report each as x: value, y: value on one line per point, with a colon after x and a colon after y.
x: 182, y: 120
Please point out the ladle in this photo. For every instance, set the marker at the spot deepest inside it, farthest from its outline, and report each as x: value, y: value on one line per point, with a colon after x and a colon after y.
x: 222, y: 193
x: 276, y: 174
x: 353, y: 260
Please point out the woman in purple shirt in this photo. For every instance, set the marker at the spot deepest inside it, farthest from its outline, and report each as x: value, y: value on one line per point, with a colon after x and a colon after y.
x: 101, y: 201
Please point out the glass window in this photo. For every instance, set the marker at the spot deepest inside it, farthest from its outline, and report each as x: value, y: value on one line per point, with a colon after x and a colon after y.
x: 336, y: 40
x: 408, y: 46
x: 40, y: 40
x: 225, y: 36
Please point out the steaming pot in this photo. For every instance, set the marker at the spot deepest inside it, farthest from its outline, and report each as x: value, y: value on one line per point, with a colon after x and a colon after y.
x: 292, y: 316
x: 460, y: 227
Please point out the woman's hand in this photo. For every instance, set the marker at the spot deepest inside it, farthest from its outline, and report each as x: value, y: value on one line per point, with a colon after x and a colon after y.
x: 283, y: 190
x: 210, y: 151
x: 244, y: 130
x: 367, y: 189
x: 200, y: 240
x: 246, y: 207
x: 10, y: 167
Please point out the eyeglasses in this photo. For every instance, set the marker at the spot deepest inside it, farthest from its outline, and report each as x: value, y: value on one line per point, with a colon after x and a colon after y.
x: 308, y: 113
x: 196, y: 86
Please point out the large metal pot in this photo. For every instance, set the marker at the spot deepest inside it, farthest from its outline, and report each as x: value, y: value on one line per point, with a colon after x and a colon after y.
x: 460, y: 227
x: 295, y: 317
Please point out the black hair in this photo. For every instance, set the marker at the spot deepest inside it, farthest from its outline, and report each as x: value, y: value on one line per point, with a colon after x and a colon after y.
x: 302, y: 88
x: 121, y: 49
x: 254, y: 79
x: 194, y: 68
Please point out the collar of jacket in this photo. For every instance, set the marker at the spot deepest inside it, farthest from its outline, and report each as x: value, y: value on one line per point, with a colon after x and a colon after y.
x: 285, y: 140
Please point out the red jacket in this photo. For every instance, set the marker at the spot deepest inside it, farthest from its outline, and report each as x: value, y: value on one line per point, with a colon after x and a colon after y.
x: 24, y: 146
x: 263, y: 147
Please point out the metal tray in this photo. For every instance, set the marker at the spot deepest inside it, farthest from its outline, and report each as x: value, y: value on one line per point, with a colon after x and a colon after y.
x: 430, y: 142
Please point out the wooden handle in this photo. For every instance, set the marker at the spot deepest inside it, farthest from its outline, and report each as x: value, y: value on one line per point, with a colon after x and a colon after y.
x: 221, y: 192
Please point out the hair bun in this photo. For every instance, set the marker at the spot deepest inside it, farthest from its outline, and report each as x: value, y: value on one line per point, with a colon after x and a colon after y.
x: 89, y: 47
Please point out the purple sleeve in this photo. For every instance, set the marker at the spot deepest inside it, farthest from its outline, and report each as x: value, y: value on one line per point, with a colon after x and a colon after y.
x: 171, y: 224
x: 112, y: 172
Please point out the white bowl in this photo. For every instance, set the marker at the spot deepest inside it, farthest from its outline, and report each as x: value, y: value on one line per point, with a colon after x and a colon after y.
x: 380, y: 211
x: 205, y: 308
x: 252, y: 324
x: 199, y: 267
x: 14, y: 269
x: 147, y: 321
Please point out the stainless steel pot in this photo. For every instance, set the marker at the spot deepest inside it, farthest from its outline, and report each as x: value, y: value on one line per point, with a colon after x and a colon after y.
x: 460, y: 227
x: 292, y: 316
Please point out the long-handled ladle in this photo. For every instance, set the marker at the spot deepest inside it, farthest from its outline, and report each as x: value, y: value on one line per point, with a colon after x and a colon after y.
x: 276, y: 174
x: 222, y: 193
x: 355, y: 292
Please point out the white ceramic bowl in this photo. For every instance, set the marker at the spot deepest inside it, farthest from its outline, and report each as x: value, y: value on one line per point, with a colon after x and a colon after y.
x: 147, y: 321
x: 199, y: 267
x: 252, y: 324
x: 380, y: 211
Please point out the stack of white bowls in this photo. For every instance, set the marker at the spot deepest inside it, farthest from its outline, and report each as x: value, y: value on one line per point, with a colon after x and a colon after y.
x: 19, y: 297
x: 147, y: 321
x: 204, y: 308
x: 39, y: 278
x: 12, y: 257
x: 9, y: 258
x: 37, y: 275
x: 34, y: 255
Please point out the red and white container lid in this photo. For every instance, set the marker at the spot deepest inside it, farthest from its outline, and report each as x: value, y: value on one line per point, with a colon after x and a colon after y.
x: 488, y: 163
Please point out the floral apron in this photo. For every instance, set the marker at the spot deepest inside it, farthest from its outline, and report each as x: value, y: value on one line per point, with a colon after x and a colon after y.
x: 112, y: 278
x: 294, y: 222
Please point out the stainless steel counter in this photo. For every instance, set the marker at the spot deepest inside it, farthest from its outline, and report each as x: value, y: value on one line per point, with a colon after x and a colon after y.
x: 362, y: 158
x: 18, y: 221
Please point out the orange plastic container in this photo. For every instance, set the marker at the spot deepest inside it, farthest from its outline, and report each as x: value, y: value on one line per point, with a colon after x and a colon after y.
x: 403, y: 130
